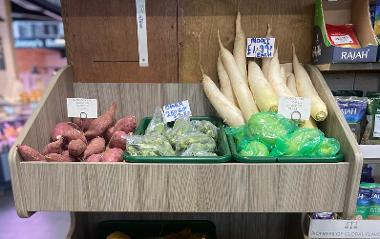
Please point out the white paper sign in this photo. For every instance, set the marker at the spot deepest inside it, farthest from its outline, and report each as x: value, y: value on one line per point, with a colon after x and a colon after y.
x: 176, y: 110
x: 84, y: 108
x: 376, y: 126
x: 296, y: 108
x: 344, y: 229
x: 260, y: 47
x: 142, y: 36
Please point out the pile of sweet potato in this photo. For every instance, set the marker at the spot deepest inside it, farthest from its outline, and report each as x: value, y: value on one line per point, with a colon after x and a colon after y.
x: 89, y: 140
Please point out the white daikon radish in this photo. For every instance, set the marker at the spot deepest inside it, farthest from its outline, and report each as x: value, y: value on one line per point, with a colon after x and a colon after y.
x: 263, y: 93
x: 275, y: 79
x: 240, y: 45
x: 311, y: 124
x: 265, y: 62
x: 291, y: 83
x: 243, y: 95
x: 305, y: 88
x: 230, y: 114
x: 225, y: 84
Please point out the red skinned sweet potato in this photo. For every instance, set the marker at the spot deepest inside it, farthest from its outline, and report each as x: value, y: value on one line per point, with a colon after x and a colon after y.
x: 67, y: 156
x: 73, y: 134
x: 112, y: 155
x: 54, y: 157
x: 83, y: 124
x: 126, y: 124
x: 29, y: 154
x: 100, y: 125
x: 118, y: 141
x: 59, y: 130
x: 94, y: 158
x: 96, y: 146
x: 77, y: 147
x: 54, y: 147
x: 109, y: 133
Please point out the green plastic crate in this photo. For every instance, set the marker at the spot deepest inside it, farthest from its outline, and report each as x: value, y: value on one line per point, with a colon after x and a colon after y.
x: 147, y: 229
x: 284, y: 159
x: 223, y: 149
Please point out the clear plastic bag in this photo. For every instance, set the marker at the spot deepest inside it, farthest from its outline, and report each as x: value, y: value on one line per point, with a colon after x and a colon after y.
x: 267, y: 127
x: 187, y: 139
x: 148, y: 145
x: 181, y: 127
x: 301, y: 142
x: 198, y: 149
x: 157, y: 124
x: 205, y: 127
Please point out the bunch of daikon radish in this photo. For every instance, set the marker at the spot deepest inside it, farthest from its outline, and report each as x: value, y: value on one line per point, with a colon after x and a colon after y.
x: 245, y: 92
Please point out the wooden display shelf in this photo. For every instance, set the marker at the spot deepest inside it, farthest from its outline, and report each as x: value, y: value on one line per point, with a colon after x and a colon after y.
x: 124, y: 187
x: 355, y: 67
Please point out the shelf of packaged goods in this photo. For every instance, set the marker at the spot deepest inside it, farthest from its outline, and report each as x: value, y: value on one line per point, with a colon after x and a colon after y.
x: 357, y: 67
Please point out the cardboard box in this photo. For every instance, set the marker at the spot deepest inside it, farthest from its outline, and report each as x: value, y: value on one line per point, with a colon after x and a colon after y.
x: 342, y: 12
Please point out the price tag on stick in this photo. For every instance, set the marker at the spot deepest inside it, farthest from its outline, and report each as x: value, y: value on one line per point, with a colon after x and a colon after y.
x: 176, y: 110
x: 260, y: 47
x: 295, y: 108
x: 82, y: 108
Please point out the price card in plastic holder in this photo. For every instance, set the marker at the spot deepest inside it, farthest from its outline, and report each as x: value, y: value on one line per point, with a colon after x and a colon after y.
x: 295, y: 108
x: 176, y: 110
x: 83, y: 108
x: 260, y: 47
x: 344, y: 229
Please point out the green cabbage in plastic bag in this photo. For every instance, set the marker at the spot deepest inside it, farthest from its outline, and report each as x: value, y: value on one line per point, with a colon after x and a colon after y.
x: 267, y: 127
x: 301, y: 142
x: 329, y: 147
x: 253, y: 148
x: 238, y: 133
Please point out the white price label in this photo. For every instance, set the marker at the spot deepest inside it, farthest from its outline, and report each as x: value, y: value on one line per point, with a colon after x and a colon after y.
x: 176, y: 110
x: 260, y: 47
x: 344, y: 229
x: 344, y: 39
x: 83, y: 108
x: 296, y: 108
x: 376, y: 126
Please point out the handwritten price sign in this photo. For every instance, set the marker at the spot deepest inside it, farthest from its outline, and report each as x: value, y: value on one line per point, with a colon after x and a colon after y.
x: 260, y: 47
x: 176, y: 110
x: 296, y: 108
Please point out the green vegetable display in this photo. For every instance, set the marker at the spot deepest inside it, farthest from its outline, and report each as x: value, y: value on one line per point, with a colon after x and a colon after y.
x: 270, y: 134
x: 185, y: 138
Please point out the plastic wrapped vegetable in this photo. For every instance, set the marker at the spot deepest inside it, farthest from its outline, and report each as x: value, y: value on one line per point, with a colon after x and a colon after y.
x: 146, y: 145
x: 200, y: 150
x: 157, y: 124
x: 239, y: 133
x: 329, y: 147
x: 253, y: 148
x: 267, y: 127
x: 181, y: 127
x: 186, y: 140
x: 301, y: 142
x: 205, y: 127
